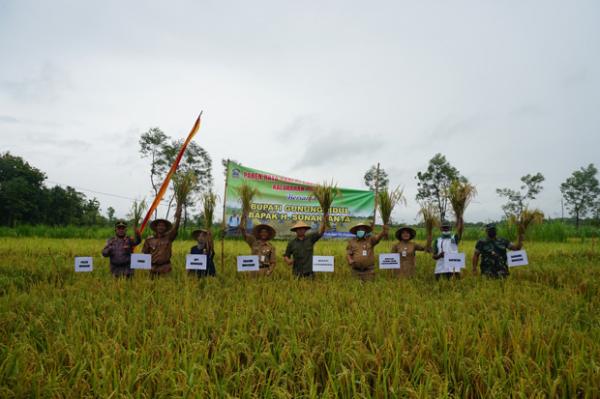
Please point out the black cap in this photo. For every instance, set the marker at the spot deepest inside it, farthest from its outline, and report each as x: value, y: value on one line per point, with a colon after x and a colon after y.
x: 490, y: 226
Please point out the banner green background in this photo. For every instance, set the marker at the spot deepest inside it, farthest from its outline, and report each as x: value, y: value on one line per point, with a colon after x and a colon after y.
x: 283, y: 201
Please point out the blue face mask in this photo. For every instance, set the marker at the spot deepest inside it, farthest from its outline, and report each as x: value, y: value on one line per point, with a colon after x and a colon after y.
x: 361, y: 233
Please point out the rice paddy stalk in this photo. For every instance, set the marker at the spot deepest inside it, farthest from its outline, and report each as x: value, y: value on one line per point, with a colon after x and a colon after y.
x: 388, y: 199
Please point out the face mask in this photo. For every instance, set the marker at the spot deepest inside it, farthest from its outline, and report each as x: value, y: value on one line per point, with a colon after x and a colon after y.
x: 446, y: 234
x: 492, y: 233
x: 361, y: 233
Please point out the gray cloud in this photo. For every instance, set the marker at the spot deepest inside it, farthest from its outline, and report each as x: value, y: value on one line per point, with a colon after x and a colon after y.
x: 43, y: 87
x: 338, y: 146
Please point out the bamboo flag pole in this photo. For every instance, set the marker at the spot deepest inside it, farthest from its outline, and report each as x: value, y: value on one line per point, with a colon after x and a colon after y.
x: 223, y: 223
x: 376, y: 194
x: 165, y: 184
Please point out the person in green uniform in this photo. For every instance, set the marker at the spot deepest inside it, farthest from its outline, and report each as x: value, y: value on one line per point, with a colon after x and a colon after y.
x: 299, y: 251
x: 492, y: 251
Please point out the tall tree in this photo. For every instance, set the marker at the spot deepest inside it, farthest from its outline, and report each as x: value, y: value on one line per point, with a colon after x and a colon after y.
x: 434, y: 183
x: 196, y: 160
x: 518, y: 200
x: 21, y: 191
x: 110, y: 212
x: 152, y: 145
x: 581, y: 191
x: 374, y: 178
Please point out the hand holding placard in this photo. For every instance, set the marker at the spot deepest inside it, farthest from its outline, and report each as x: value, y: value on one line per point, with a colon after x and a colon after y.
x: 517, y: 258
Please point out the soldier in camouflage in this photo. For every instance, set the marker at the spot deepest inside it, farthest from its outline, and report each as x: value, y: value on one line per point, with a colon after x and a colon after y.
x: 492, y: 250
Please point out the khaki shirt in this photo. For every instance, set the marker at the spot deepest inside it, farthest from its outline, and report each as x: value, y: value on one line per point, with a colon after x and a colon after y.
x: 264, y: 249
x: 361, y: 250
x: 160, y: 248
x: 407, y: 251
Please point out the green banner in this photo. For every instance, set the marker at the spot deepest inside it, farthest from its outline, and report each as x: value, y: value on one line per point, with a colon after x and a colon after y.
x: 282, y: 201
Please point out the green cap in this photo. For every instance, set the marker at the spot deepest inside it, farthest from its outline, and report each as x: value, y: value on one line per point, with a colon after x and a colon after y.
x: 446, y: 223
x: 120, y: 223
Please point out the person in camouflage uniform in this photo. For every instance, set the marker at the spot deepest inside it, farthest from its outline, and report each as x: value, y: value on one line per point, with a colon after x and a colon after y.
x: 119, y: 249
x: 360, y: 251
x: 492, y: 251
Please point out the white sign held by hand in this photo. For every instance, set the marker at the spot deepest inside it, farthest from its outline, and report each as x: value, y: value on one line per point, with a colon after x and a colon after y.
x: 247, y: 263
x: 141, y: 261
x: 517, y: 258
x: 454, y: 262
x: 389, y: 261
x: 323, y: 264
x: 84, y: 264
x: 195, y: 262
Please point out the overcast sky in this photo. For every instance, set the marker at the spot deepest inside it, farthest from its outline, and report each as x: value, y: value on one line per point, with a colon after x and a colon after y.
x: 312, y: 90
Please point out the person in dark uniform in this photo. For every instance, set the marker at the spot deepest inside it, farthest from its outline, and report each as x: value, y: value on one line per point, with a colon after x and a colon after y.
x: 206, y: 247
x: 119, y: 248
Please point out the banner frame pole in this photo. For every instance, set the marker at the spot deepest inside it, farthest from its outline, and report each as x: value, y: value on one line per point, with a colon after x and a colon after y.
x: 223, y: 225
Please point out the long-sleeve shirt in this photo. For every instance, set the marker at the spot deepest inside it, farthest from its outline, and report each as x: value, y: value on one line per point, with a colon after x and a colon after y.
x: 119, y: 249
x: 302, y: 252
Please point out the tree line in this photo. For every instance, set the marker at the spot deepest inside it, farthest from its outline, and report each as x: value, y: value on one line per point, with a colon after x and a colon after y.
x: 25, y: 199
x: 580, y: 191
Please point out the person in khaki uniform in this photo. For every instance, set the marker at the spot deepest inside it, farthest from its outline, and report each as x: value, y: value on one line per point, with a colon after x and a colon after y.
x: 407, y: 250
x: 260, y: 245
x: 160, y: 244
x: 360, y: 250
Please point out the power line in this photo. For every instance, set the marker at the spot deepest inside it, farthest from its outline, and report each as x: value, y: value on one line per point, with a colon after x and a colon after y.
x: 97, y: 192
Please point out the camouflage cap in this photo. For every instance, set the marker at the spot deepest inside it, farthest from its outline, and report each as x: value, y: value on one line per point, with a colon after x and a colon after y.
x: 120, y: 223
x: 446, y: 224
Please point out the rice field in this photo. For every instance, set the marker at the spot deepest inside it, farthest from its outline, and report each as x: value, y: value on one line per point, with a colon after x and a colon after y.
x: 88, y: 335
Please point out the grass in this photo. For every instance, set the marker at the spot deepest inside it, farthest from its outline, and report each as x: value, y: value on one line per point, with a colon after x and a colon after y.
x: 61, y: 334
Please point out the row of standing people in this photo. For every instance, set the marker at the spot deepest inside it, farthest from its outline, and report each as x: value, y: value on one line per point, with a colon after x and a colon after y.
x: 360, y: 250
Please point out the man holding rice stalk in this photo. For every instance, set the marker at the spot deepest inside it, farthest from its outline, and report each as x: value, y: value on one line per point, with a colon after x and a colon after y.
x: 360, y: 250
x: 299, y: 251
x: 259, y: 242
x: 160, y: 244
x: 261, y: 234
x: 460, y: 195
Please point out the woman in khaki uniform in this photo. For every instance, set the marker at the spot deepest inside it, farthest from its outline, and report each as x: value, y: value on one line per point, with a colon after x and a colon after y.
x: 407, y: 250
x: 260, y: 245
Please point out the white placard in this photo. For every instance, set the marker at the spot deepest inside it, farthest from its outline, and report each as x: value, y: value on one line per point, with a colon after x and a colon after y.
x: 84, y: 264
x: 389, y: 261
x: 247, y: 263
x: 195, y: 262
x: 454, y: 262
x: 517, y: 258
x: 141, y: 261
x: 323, y: 264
